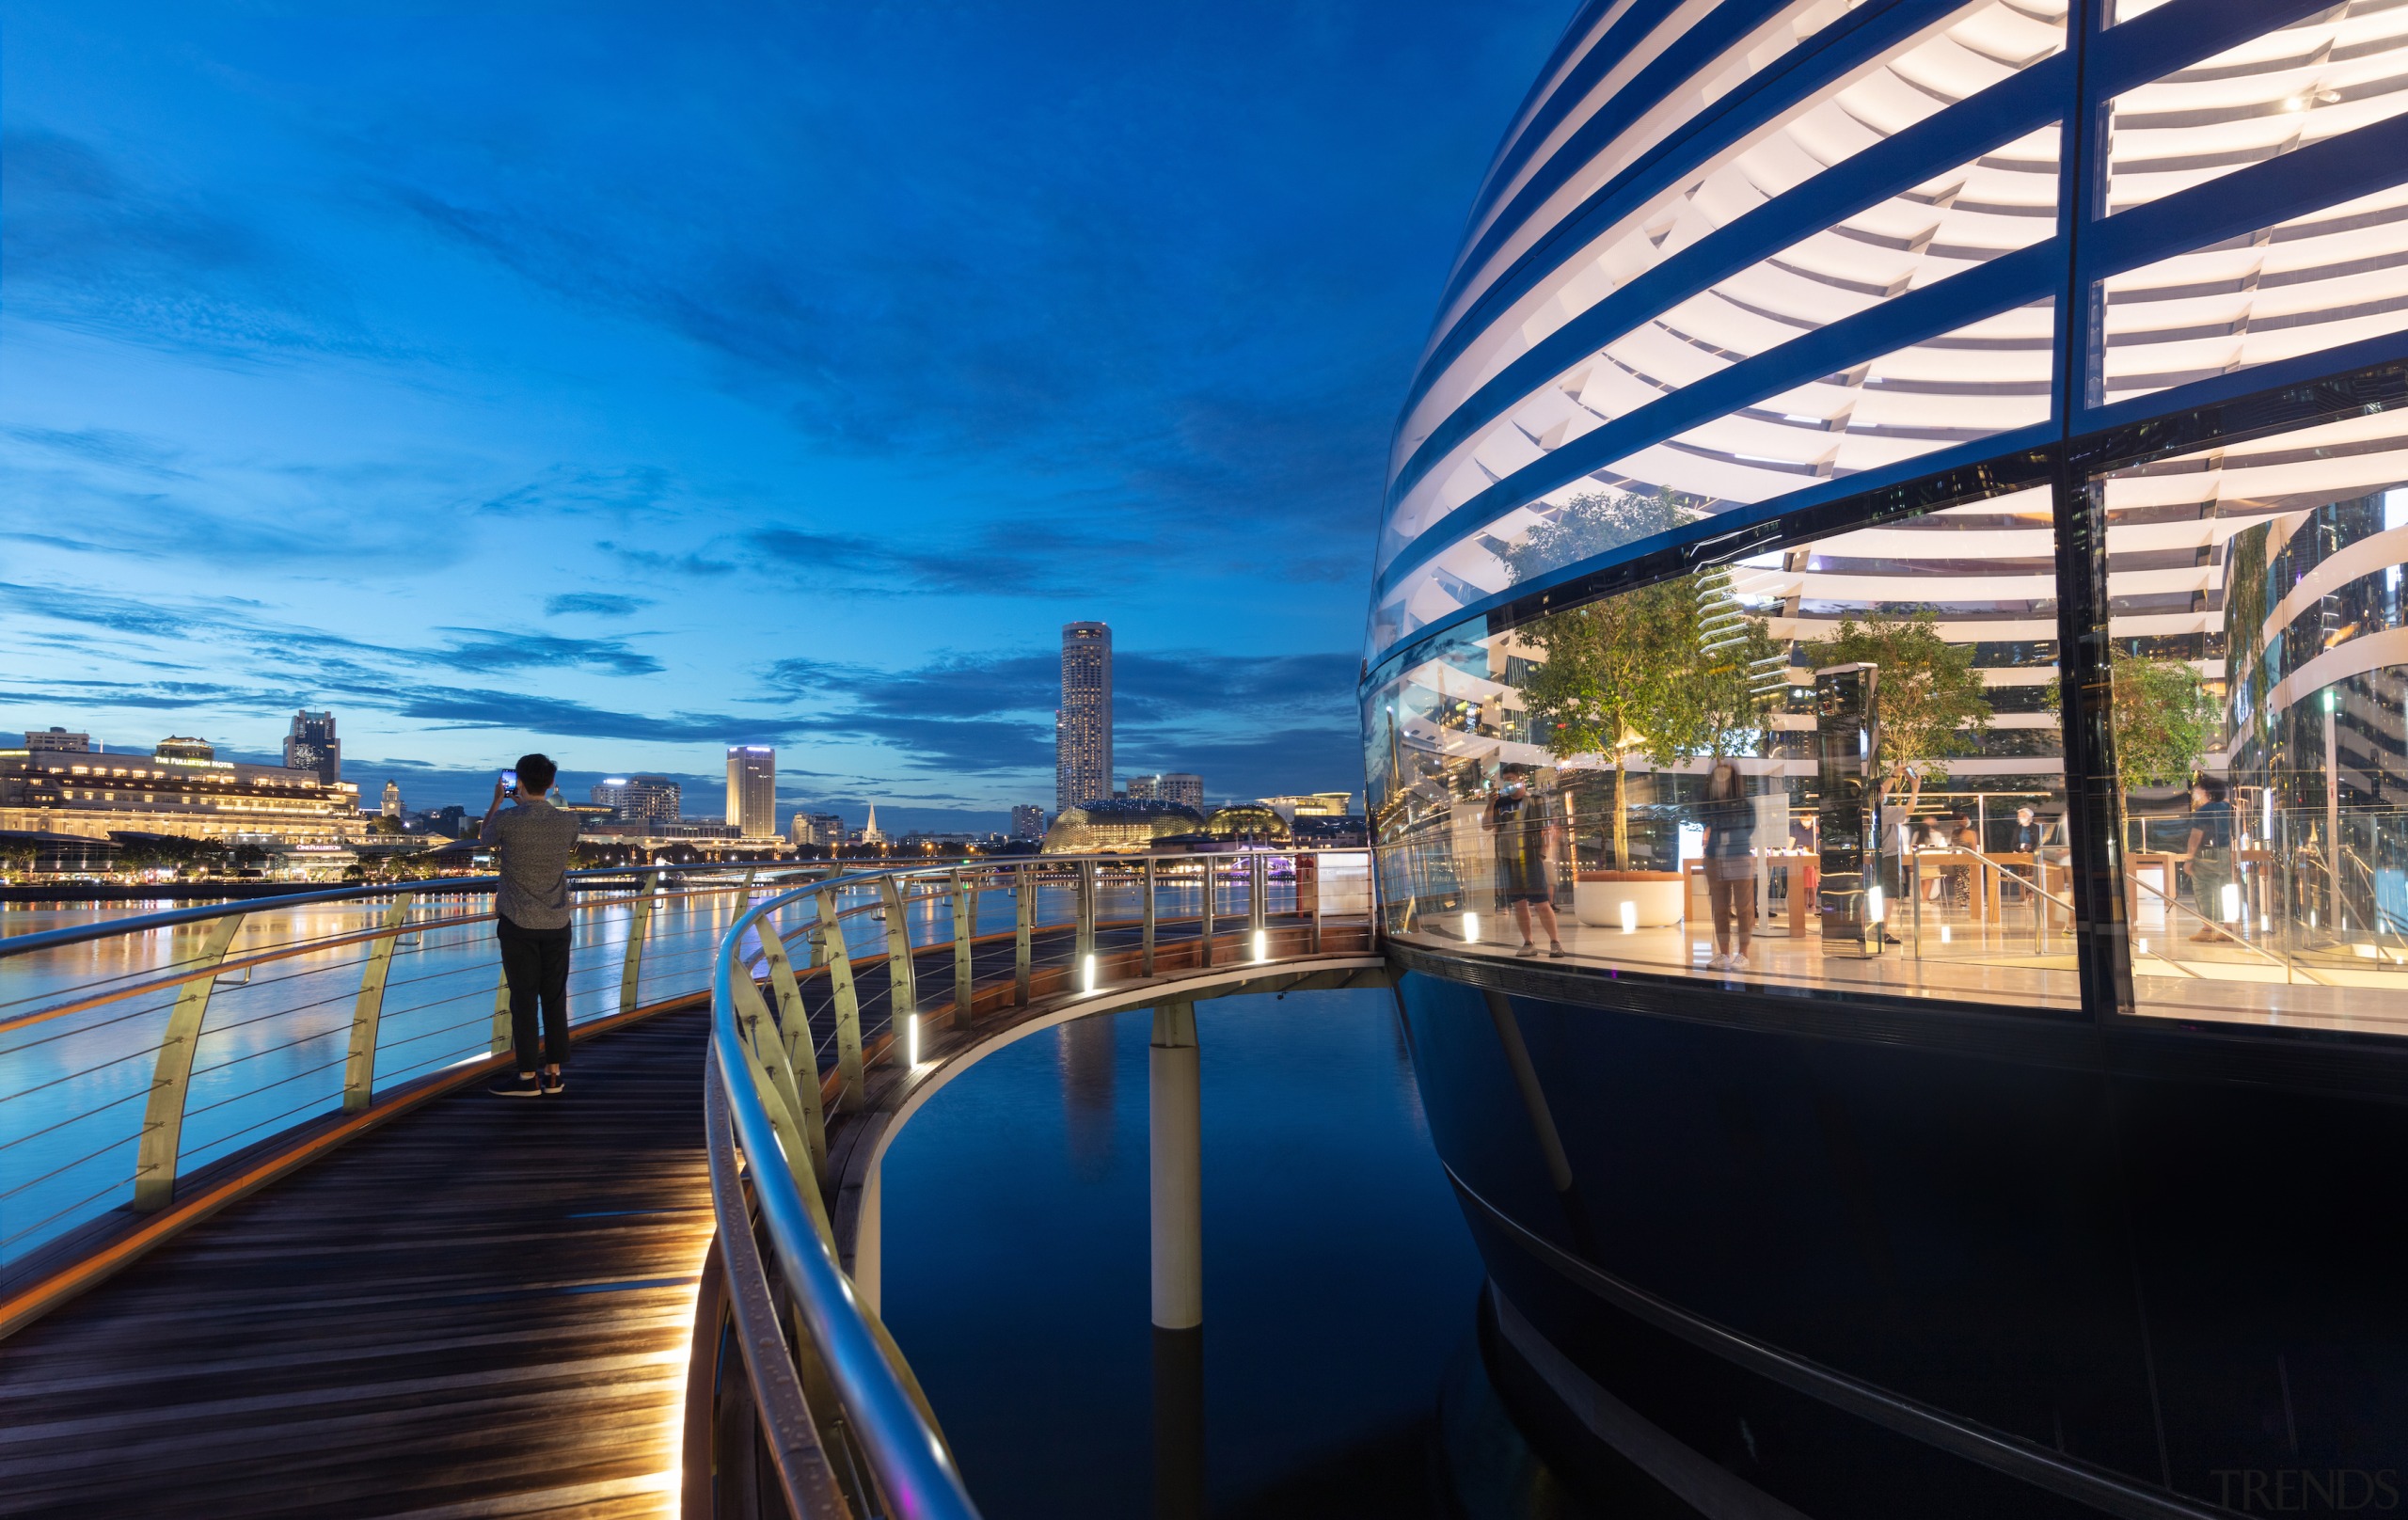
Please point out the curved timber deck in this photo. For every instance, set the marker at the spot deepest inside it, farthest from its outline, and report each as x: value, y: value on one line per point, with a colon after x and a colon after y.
x: 482, y: 1308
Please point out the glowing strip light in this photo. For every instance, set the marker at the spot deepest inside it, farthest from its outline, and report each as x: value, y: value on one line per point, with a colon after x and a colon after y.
x: 1472, y: 928
x: 911, y: 1038
x: 2231, y: 895
x: 1874, y: 911
x: 1262, y: 945
x: 1630, y: 918
x: 1090, y: 975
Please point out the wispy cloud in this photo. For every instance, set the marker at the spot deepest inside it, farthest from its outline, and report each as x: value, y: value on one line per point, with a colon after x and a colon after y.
x: 594, y: 604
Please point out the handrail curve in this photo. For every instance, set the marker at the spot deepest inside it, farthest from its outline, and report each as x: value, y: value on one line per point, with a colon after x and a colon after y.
x: 904, y: 1469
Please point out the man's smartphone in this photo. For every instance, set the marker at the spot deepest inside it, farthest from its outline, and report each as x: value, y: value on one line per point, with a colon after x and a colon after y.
x: 509, y: 783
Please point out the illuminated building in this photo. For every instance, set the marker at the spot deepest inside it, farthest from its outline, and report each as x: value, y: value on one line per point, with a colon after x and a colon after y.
x: 92, y: 794
x: 1182, y: 788
x: 179, y: 748
x: 823, y: 829
x: 1083, y: 723
x: 311, y: 746
x: 1936, y: 411
x: 392, y: 808
x: 871, y: 833
x: 752, y: 790
x: 1311, y: 805
x: 1118, y: 824
x: 639, y: 798
x: 59, y: 740
x: 1028, y: 821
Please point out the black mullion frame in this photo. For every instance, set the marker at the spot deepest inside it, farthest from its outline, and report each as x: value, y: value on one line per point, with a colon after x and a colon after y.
x: 2086, y: 670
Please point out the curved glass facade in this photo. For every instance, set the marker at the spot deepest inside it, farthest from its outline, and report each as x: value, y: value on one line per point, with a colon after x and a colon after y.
x: 1974, y: 422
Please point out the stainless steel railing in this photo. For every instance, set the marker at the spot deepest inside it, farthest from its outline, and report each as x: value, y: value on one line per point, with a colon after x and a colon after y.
x: 822, y: 1419
x: 139, y: 1051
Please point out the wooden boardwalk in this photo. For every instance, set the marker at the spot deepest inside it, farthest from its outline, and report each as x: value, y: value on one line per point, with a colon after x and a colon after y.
x: 482, y: 1308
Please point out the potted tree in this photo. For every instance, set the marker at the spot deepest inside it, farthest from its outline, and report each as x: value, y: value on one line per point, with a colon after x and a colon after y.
x: 1640, y: 672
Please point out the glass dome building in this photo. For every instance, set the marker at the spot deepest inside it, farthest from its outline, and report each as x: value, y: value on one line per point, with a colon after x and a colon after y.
x: 1885, y: 703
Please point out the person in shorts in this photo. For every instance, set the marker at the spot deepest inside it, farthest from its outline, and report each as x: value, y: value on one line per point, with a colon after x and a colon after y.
x: 1524, y: 876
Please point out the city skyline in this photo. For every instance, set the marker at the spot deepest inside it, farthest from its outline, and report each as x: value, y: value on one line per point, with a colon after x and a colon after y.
x: 343, y: 374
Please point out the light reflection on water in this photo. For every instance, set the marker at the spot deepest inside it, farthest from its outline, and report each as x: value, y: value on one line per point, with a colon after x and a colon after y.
x: 1339, y: 1275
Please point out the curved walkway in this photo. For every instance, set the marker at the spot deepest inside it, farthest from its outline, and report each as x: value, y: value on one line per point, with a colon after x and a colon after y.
x: 482, y: 1308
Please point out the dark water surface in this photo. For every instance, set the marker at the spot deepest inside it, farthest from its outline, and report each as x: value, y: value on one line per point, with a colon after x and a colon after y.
x: 1338, y: 1278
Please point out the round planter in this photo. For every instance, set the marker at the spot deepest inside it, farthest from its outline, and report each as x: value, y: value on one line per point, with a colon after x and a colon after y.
x: 1657, y: 898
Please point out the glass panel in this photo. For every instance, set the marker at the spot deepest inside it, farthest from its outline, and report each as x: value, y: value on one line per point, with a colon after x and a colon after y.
x: 1958, y: 219
x: 1980, y: 379
x: 2278, y: 891
x: 1569, y: 768
x: 1957, y: 58
x: 2339, y: 70
x: 1742, y: 60
x: 2332, y: 276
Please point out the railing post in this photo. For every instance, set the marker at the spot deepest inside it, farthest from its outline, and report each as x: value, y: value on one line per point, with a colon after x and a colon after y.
x: 638, y: 924
x: 765, y: 1058
x: 1206, y: 953
x: 848, y: 1003
x: 965, y: 929
x: 1257, y: 906
x: 902, y: 981
x: 797, y: 1062
x: 1025, y: 929
x: 1298, y: 867
x: 360, y: 1067
x: 162, y: 1119
x: 1146, y: 944
x: 1085, y: 912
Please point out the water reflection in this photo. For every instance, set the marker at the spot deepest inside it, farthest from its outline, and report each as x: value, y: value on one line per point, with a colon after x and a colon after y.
x: 1339, y: 1277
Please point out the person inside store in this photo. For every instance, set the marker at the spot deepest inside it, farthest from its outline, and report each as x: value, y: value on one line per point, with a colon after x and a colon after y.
x: 2209, y: 853
x: 1525, y: 876
x: 1729, y: 822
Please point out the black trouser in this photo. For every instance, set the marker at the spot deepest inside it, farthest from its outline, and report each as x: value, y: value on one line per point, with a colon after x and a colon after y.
x: 535, y: 963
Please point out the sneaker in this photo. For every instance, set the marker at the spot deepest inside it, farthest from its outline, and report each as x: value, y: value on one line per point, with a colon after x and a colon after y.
x: 1528, y: 949
x: 519, y: 1084
x: 1555, y: 950
x: 1720, y: 962
x: 2205, y: 937
x: 1738, y: 962
x: 554, y: 1084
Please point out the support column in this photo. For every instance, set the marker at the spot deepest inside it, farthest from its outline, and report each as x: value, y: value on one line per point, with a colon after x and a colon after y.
x: 1176, y: 1121
x: 1175, y: 1125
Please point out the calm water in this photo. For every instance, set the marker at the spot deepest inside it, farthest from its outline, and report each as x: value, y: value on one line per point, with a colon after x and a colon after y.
x: 1339, y: 1277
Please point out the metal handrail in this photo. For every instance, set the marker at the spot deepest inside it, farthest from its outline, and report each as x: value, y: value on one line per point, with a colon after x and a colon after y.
x: 778, y: 1126
x: 174, y: 1001
x: 18, y: 944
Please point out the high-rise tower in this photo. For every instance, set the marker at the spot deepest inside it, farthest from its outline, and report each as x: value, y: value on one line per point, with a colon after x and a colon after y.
x: 752, y: 790
x: 311, y: 745
x: 1083, y: 725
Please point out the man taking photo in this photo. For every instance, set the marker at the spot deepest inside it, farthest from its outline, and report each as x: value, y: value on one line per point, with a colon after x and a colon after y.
x: 530, y: 843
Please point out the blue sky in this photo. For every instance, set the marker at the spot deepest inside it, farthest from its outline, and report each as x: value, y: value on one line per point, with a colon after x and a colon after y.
x: 626, y: 381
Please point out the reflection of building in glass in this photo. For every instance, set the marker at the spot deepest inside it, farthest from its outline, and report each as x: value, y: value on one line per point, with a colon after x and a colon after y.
x: 1311, y: 805
x: 1183, y: 787
x: 1028, y: 821
x: 752, y: 790
x: 311, y: 745
x: 1083, y: 725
